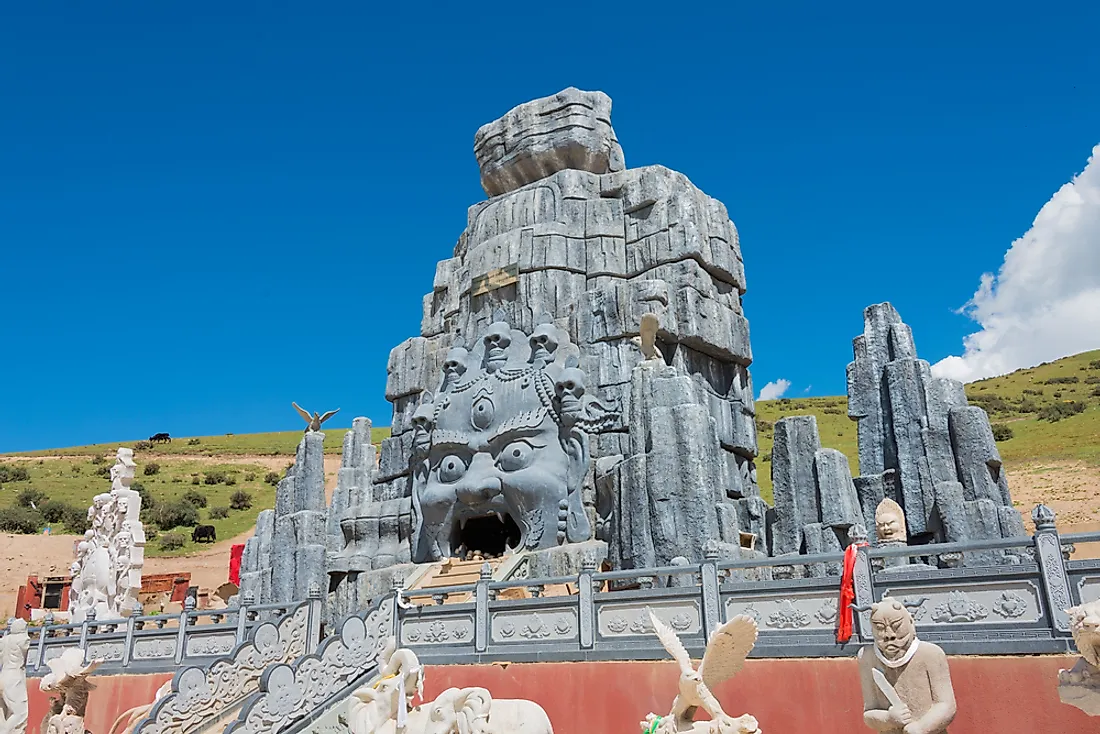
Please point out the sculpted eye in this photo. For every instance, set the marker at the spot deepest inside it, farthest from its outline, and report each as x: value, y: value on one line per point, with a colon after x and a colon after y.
x: 451, y: 469
x: 515, y: 456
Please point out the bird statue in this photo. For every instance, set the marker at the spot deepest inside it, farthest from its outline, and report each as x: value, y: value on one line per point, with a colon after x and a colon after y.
x: 724, y: 657
x: 313, y: 421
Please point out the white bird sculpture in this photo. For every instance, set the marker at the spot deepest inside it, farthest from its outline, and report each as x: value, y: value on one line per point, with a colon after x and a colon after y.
x: 724, y: 657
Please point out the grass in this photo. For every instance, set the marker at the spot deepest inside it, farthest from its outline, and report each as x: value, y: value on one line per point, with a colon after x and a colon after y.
x: 1016, y: 400
x: 282, y: 443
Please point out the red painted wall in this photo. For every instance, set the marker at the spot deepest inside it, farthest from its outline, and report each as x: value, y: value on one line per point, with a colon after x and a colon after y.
x: 1009, y: 694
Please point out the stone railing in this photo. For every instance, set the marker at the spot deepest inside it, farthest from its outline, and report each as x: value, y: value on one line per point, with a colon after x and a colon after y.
x: 1007, y: 608
x: 163, y: 643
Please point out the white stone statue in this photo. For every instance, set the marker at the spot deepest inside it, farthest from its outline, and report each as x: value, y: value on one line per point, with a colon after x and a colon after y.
x: 724, y: 657
x: 1080, y: 685
x: 13, y: 678
x: 109, y: 560
x: 69, y: 676
x: 384, y: 707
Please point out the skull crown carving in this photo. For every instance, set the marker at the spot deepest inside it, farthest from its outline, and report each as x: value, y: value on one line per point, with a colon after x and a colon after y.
x: 505, y: 437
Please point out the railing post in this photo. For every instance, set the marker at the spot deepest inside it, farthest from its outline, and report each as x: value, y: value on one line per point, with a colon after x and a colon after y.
x: 862, y: 579
x: 247, y: 600
x: 47, y: 622
x: 131, y: 625
x: 481, y: 609
x: 397, y: 583
x: 586, y: 611
x: 181, y: 637
x: 712, y: 602
x: 314, y: 640
x: 89, y: 621
x: 1052, y: 567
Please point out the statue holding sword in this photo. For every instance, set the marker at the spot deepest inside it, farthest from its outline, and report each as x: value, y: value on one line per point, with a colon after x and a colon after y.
x: 906, y: 682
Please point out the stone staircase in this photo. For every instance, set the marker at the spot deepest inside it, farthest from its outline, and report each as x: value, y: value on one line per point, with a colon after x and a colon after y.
x: 450, y: 572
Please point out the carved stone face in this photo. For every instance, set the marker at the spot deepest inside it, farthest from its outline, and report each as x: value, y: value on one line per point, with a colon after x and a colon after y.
x: 570, y: 389
x: 893, y: 628
x: 544, y: 343
x: 890, y: 522
x: 500, y: 458
x: 454, y: 367
x: 496, y: 342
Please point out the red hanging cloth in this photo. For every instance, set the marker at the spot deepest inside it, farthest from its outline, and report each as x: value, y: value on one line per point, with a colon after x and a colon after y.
x: 847, y: 594
x: 235, y: 554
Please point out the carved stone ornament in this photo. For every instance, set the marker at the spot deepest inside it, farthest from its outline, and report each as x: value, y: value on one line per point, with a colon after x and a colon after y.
x: 788, y: 616
x: 200, y: 693
x: 1010, y: 605
x: 290, y: 692
x: 959, y: 608
x: 504, y: 437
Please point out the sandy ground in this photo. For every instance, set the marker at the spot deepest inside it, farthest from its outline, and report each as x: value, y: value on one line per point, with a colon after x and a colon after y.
x: 50, y: 555
x: 1071, y: 489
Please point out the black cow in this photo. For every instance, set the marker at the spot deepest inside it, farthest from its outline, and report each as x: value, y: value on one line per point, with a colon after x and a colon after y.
x: 204, y: 533
x: 160, y: 438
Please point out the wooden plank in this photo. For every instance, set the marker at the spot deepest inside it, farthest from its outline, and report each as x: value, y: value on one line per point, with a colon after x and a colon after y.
x: 494, y: 279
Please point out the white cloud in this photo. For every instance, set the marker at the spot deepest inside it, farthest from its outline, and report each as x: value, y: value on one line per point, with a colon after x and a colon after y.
x: 1044, y: 303
x: 774, y: 390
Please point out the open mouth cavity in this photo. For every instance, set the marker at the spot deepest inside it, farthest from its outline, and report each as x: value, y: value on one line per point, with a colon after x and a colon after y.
x: 486, y: 536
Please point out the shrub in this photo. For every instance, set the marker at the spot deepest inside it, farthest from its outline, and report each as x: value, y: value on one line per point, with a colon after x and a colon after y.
x: 1092, y: 380
x: 219, y: 513
x: 240, y: 500
x: 175, y: 514
x: 143, y: 446
x: 103, y: 471
x: 78, y: 469
x: 195, y: 480
x: 1029, y: 391
x: 833, y: 411
x: 1058, y: 411
x: 1094, y: 364
x: 194, y: 497
x: 230, y: 480
x: 10, y: 473
x: 151, y: 534
x: 193, y: 442
x: 991, y: 403
x: 1057, y: 395
x: 1028, y: 406
x: 98, y: 459
x: 30, y: 496
x: 250, y: 477
x: 766, y: 457
x: 1063, y: 380
x: 148, y: 502
x: 176, y: 480
x: 150, y: 469
x: 1001, y: 432
x: 20, y: 520
x: 172, y: 541
x: 215, y: 476
x: 53, y: 510
x: 75, y: 519
x: 1096, y: 392
x: 272, y: 477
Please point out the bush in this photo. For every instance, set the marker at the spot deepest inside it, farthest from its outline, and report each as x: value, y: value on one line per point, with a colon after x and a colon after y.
x: 1094, y: 364
x: 219, y: 513
x: 1096, y: 392
x: 176, y: 480
x: 1063, y: 380
x: 172, y: 541
x: 30, y: 496
x: 1033, y: 392
x: 1058, y: 411
x: 1028, y: 406
x: 272, y: 478
x: 10, y: 473
x: 240, y: 500
x: 1001, y: 432
x: 193, y: 442
x: 1092, y: 380
x: 20, y: 520
x: 230, y: 480
x: 250, y: 477
x: 175, y: 514
x: 150, y: 469
x: 215, y: 476
x: 53, y: 510
x: 98, y: 459
x: 148, y: 502
x: 78, y: 469
x: 151, y: 534
x: 194, y: 497
x: 103, y: 471
x: 833, y: 411
x: 991, y: 403
x: 196, y: 480
x: 143, y: 446
x: 75, y: 519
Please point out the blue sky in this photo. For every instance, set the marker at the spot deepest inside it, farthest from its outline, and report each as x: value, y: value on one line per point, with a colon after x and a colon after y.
x: 209, y: 210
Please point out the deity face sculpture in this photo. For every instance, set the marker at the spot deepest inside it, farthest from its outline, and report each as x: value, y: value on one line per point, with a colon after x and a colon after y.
x: 543, y: 343
x: 502, y: 459
x: 454, y: 366
x: 890, y: 522
x: 892, y: 627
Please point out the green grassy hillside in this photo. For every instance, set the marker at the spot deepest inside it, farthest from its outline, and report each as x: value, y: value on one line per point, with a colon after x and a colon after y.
x: 1046, y: 413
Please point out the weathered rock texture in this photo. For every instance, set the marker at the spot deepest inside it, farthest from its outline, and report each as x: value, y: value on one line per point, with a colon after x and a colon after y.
x: 286, y: 556
x: 815, y: 500
x: 922, y: 445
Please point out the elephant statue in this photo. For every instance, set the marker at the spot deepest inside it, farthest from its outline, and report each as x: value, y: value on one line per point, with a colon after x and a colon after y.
x: 465, y: 711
